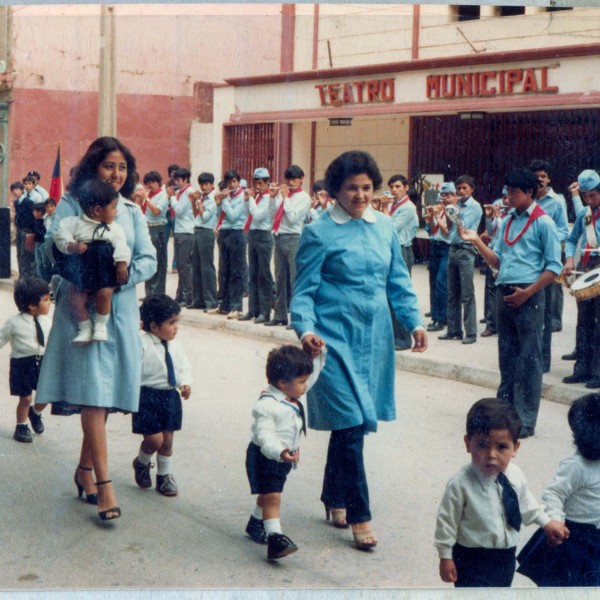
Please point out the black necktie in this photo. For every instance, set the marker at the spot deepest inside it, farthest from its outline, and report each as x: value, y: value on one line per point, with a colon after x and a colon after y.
x: 39, y: 333
x: 510, y: 502
x: 300, y: 408
x: 170, y: 367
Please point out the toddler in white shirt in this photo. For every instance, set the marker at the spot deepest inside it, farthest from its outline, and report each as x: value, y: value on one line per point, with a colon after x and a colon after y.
x: 279, y: 420
x: 486, y: 502
x: 95, y: 257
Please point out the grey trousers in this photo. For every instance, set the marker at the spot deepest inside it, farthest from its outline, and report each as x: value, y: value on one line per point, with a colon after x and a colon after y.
x: 461, y: 291
x: 204, y: 276
x: 184, y: 243
x: 158, y: 283
x: 260, y: 293
x: 286, y: 246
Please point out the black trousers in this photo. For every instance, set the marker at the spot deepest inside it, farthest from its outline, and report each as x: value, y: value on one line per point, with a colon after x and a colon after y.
x: 484, y: 567
x: 232, y: 257
x: 260, y: 292
x: 345, y: 480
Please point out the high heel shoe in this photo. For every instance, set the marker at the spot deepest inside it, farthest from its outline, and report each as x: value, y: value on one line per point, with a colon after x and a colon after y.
x: 110, y: 513
x: 89, y: 498
x: 337, y: 517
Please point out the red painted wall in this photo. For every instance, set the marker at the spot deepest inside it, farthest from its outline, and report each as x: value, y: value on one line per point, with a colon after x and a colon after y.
x: 155, y: 128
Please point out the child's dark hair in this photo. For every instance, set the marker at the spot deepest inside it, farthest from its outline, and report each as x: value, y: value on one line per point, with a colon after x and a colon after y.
x: 95, y: 192
x: 29, y: 291
x: 318, y: 186
x: 492, y: 413
x: 398, y: 177
x: 16, y: 185
x: 465, y: 179
x: 293, y: 172
x: 157, y: 309
x: 182, y: 173
x: 151, y: 176
x: 29, y: 179
x: 40, y: 208
x: 522, y: 179
x: 230, y: 176
x: 287, y: 363
x: 206, y: 178
x: 49, y: 202
x: 584, y: 421
x: 539, y: 164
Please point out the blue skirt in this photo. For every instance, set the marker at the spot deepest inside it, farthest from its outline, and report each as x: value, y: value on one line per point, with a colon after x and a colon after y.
x: 575, y: 562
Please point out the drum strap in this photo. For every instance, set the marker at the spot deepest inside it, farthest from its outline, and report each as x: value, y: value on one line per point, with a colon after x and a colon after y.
x: 590, y: 234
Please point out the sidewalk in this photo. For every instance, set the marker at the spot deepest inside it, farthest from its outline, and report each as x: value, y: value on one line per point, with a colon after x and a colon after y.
x: 476, y: 363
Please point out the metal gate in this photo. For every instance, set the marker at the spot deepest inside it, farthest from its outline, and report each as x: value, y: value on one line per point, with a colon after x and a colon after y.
x: 491, y: 145
x: 249, y: 146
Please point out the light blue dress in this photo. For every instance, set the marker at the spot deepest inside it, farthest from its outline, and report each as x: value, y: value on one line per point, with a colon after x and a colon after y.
x: 107, y: 373
x: 346, y: 273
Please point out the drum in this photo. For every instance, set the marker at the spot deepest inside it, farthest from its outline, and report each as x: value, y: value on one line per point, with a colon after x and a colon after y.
x: 587, y: 286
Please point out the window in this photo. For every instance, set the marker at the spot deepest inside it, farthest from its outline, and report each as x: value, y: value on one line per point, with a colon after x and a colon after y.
x: 467, y: 12
x: 510, y: 11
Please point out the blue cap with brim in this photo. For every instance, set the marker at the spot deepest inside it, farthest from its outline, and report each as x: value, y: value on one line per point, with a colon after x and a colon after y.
x: 261, y: 173
x: 588, y: 180
x: 448, y: 187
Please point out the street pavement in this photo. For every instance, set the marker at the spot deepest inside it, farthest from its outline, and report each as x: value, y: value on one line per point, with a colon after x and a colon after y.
x: 52, y: 541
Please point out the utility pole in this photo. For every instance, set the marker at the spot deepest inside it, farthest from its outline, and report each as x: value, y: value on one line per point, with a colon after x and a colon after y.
x: 107, y: 91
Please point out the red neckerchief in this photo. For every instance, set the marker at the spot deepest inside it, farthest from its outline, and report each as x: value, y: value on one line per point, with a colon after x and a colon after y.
x: 586, y: 254
x: 151, y: 194
x: 435, y: 225
x: 232, y: 194
x: 185, y: 187
x: 397, y: 204
x: 536, y: 213
x: 249, y: 219
x: 279, y: 213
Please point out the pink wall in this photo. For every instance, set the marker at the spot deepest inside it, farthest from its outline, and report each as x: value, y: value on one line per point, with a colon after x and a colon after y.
x: 155, y: 128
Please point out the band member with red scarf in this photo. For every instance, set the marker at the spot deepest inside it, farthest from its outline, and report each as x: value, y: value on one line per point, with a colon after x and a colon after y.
x: 527, y: 257
x: 406, y: 224
x: 291, y: 206
x: 184, y: 234
x: 156, y: 204
x: 439, y: 245
x: 232, y: 249
x: 587, y: 231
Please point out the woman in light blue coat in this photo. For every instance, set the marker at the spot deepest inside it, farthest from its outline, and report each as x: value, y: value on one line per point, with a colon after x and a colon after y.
x: 349, y: 263
x: 99, y: 378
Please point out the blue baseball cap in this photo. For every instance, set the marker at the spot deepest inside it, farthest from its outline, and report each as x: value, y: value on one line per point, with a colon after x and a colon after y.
x: 261, y: 173
x: 588, y: 180
x: 448, y: 187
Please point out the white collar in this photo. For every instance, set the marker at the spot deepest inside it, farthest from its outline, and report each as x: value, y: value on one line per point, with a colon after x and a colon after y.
x: 340, y: 216
x: 276, y: 393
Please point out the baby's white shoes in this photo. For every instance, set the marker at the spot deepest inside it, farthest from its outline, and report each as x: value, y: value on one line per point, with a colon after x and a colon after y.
x: 85, y: 333
x: 100, y: 332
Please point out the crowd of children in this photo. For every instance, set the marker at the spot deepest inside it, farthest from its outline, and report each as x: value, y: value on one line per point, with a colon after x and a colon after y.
x: 484, y: 505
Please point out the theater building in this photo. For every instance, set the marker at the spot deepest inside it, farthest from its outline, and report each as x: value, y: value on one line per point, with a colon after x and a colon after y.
x: 475, y: 95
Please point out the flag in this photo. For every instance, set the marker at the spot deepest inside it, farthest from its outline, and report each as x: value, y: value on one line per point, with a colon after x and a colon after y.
x: 56, y: 188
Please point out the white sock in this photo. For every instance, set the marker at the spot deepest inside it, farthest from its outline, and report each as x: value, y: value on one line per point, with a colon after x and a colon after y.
x: 272, y: 526
x: 257, y: 512
x: 84, y: 325
x: 36, y: 411
x: 163, y: 464
x: 24, y: 423
x: 102, y: 319
x: 144, y: 458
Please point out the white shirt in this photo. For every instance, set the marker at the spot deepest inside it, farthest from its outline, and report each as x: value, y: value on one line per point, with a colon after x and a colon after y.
x: 19, y: 330
x: 184, y: 212
x: 258, y: 207
x: 574, y: 492
x: 154, y: 365
x: 277, y: 422
x: 295, y: 209
x: 161, y: 201
x: 83, y: 229
x: 471, y: 511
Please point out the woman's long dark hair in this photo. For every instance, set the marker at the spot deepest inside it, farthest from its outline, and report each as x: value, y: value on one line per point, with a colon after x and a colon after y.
x: 88, y: 166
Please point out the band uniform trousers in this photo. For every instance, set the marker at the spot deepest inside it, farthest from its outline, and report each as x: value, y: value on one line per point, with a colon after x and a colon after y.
x: 438, y: 280
x: 520, y: 352
x: 402, y: 337
x: 286, y: 247
x: 489, y: 300
x: 204, y: 276
x: 184, y: 243
x: 260, y: 293
x: 232, y: 256
x: 158, y: 283
x: 461, y: 290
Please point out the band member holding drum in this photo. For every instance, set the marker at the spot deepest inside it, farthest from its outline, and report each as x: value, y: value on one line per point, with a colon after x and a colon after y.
x: 527, y: 256
x: 587, y: 333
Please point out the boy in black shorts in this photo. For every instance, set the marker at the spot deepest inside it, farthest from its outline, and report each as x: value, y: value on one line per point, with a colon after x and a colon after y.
x: 27, y: 333
x: 166, y: 374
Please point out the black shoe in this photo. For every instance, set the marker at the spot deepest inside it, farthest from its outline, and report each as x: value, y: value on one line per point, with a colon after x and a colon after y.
x: 165, y: 484
x: 576, y: 379
x: 256, y: 530
x: 428, y: 314
x: 196, y: 306
x: 274, y: 322
x: 526, y: 432
x: 482, y: 321
x: 36, y: 421
x: 23, y: 434
x: 435, y: 326
x: 89, y: 498
x: 450, y: 336
x: 400, y: 348
x: 570, y: 356
x: 470, y: 339
x: 279, y: 546
x: 142, y: 473
x: 247, y: 317
x: 593, y: 383
x: 261, y: 319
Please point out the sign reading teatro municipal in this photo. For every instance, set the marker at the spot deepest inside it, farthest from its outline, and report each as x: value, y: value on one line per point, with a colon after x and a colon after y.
x: 504, y: 82
x: 356, y: 92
